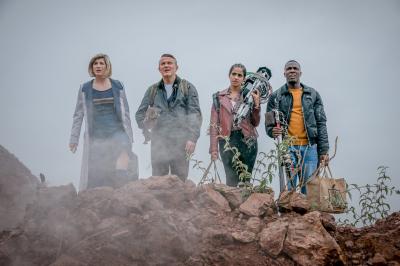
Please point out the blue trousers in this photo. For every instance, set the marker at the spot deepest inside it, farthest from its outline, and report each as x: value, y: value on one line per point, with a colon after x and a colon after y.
x: 304, y: 163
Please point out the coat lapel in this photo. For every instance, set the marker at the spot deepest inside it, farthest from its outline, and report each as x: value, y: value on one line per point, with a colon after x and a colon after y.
x: 225, y: 101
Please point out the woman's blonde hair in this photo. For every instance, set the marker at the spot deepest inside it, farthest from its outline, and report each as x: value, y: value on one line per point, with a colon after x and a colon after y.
x: 108, y: 64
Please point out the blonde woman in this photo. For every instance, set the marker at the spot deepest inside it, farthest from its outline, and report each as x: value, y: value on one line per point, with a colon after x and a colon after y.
x: 108, y: 133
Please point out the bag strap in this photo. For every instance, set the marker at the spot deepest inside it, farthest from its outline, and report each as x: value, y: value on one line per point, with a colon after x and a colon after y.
x: 153, y: 92
x: 205, y: 174
x: 184, y: 88
x: 322, y: 171
x: 216, y: 173
x: 207, y: 171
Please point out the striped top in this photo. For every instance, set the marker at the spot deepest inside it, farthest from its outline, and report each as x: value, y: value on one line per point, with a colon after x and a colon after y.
x: 105, y: 119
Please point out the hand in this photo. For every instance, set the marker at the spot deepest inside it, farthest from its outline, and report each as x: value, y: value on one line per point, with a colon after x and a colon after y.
x: 214, y: 156
x: 324, y: 160
x: 256, y: 98
x: 276, y: 132
x: 72, y: 147
x: 190, y: 146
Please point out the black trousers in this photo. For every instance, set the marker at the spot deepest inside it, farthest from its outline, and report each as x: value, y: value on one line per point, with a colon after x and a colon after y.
x: 248, y: 155
x: 169, y: 154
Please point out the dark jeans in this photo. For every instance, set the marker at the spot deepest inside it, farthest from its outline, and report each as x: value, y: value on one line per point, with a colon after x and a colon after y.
x: 169, y: 154
x: 248, y: 155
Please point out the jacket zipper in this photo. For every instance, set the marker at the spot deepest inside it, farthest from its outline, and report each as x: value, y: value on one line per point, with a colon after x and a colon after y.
x: 304, y: 118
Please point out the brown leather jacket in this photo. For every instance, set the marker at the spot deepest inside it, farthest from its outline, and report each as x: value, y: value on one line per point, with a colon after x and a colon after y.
x: 248, y: 126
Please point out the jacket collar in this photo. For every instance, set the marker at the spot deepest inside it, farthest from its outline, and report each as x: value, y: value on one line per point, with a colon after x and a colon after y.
x: 285, y: 89
x: 224, y: 92
x: 175, y: 85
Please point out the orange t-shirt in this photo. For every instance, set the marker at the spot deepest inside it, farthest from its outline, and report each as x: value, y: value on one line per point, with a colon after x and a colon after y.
x: 296, y: 123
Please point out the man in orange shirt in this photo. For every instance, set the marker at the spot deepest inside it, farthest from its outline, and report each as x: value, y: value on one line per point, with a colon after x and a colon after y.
x: 303, y: 114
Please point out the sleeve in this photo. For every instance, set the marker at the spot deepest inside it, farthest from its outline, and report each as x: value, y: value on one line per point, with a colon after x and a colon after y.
x: 255, y: 117
x: 195, y: 118
x: 141, y: 112
x: 127, y: 117
x: 77, y: 119
x: 270, y: 106
x: 214, y: 128
x: 320, y: 117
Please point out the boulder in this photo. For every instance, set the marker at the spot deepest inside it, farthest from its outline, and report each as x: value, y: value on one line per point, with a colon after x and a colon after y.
x: 273, y: 236
x: 257, y: 204
x: 293, y: 201
x: 17, y: 189
x: 307, y: 242
x: 232, y: 194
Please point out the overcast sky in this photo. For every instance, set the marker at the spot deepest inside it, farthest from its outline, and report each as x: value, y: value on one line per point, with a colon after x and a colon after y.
x: 348, y: 51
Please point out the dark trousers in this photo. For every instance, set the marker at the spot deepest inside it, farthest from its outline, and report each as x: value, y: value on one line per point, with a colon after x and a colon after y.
x: 248, y: 155
x: 169, y: 154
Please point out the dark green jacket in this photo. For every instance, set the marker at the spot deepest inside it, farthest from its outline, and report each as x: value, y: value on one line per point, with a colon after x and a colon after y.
x: 180, y: 116
x: 313, y: 112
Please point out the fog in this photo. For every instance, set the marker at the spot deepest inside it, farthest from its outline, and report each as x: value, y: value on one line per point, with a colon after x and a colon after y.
x: 348, y: 51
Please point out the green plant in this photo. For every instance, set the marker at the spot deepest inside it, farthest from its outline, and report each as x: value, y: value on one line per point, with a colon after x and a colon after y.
x: 373, y: 200
x: 266, y: 164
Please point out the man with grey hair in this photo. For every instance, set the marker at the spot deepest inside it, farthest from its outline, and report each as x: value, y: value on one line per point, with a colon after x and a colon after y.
x: 171, y: 117
x: 303, y: 112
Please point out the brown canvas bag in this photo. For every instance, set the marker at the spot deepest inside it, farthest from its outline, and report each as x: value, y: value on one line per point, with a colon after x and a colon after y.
x: 326, y: 193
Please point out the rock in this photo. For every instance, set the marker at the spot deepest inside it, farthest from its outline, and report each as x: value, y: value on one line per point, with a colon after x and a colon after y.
x: 216, y: 198
x: 328, y: 222
x: 257, y: 204
x: 17, y: 189
x: 273, y: 236
x: 307, y: 242
x: 244, y: 236
x: 293, y: 201
x: 232, y: 194
x: 254, y: 224
x: 349, y: 244
x: 164, y: 221
x: 66, y: 260
x: 163, y: 182
x: 378, y: 260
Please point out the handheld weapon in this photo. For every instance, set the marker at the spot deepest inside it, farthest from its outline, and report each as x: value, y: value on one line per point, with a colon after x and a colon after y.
x: 254, y: 81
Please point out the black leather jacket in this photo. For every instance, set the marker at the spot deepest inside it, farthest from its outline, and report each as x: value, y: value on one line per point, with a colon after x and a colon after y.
x: 313, y: 112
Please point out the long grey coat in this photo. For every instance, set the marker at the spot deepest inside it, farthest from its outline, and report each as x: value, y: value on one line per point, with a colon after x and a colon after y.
x: 84, y: 109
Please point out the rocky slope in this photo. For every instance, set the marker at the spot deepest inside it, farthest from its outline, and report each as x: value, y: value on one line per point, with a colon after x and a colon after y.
x: 163, y: 221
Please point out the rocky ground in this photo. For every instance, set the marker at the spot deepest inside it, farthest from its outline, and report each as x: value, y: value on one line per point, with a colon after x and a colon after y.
x: 163, y: 221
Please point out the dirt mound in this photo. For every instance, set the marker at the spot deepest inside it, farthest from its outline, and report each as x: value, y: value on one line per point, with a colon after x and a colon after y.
x: 372, y: 245
x: 17, y: 188
x: 164, y: 221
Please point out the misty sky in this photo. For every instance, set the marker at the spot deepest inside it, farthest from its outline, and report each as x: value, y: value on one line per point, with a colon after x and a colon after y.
x: 348, y: 51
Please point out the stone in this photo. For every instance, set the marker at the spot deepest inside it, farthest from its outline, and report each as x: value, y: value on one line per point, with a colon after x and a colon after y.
x: 257, y: 204
x: 307, y: 242
x: 18, y: 189
x: 349, y: 244
x: 232, y: 194
x: 244, y: 236
x: 328, y: 222
x: 217, y: 198
x: 254, y: 224
x: 293, y: 201
x: 378, y: 260
x: 273, y: 236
